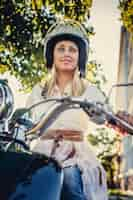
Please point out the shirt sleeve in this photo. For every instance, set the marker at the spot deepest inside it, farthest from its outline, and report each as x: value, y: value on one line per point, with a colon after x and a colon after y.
x: 33, y: 98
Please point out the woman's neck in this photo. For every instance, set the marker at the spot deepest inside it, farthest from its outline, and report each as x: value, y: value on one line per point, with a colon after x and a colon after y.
x: 63, y: 80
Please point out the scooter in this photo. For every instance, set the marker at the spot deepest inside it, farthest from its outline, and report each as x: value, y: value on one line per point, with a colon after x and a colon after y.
x: 24, y: 174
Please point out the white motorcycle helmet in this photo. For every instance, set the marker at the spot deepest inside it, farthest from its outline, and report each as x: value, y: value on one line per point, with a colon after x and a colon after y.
x: 67, y: 30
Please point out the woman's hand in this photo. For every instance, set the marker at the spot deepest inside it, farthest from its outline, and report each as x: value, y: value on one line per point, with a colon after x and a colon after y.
x: 124, y: 116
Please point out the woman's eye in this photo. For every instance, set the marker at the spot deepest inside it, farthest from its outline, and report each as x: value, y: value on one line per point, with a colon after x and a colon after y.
x: 61, y: 49
x: 73, y: 50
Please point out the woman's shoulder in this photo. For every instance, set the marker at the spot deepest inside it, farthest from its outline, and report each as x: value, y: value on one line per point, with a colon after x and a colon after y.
x: 37, y: 89
x: 41, y: 88
x: 92, y: 92
x: 85, y: 82
x: 88, y: 85
x: 35, y: 94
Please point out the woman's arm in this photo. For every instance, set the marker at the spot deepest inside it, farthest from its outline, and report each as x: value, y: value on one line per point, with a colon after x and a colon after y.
x: 34, y: 97
x: 125, y: 116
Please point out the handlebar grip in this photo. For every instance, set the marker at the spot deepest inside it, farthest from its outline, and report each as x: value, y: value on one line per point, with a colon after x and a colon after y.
x: 112, y: 121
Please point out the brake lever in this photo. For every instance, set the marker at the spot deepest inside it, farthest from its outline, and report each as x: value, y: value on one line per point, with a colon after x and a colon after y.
x: 97, y: 108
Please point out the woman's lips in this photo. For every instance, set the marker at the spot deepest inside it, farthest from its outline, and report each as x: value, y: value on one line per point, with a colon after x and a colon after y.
x: 67, y: 60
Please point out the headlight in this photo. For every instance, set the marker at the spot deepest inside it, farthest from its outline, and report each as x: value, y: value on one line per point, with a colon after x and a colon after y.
x: 6, y: 100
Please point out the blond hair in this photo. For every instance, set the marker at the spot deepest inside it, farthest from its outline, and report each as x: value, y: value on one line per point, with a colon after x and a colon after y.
x: 78, y: 86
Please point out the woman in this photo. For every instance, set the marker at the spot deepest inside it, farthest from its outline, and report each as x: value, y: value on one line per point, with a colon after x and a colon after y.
x: 66, y: 52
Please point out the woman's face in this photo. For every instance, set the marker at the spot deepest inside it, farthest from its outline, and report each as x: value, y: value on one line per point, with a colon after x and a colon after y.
x: 65, y: 56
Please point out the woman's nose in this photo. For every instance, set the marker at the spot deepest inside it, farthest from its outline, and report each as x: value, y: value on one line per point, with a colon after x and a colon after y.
x: 67, y: 52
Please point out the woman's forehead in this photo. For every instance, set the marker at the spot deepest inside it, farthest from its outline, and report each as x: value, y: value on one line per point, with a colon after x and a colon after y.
x: 66, y: 43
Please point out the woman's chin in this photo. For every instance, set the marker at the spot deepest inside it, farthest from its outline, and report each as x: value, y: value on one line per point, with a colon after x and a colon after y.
x: 68, y: 68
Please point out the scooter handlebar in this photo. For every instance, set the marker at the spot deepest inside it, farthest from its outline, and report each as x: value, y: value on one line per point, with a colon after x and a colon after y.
x: 98, y: 109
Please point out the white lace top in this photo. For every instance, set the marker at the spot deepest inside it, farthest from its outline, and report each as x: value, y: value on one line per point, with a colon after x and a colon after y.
x: 93, y: 174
